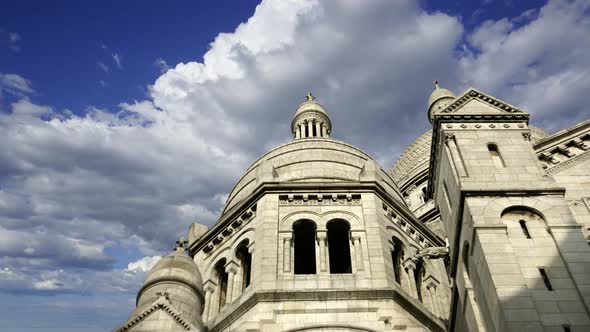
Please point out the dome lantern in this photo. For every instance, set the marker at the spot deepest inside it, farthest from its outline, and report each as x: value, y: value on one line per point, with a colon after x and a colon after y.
x: 438, y: 100
x: 311, y: 120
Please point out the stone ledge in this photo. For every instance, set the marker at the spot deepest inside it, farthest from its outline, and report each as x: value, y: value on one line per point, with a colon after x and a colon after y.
x: 413, y: 306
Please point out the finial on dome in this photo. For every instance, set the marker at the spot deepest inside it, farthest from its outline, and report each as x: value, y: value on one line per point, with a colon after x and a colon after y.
x: 310, y: 97
x: 436, y: 85
x: 181, y: 245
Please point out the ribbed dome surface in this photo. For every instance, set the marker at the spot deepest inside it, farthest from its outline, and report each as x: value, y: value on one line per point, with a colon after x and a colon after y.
x: 415, y: 158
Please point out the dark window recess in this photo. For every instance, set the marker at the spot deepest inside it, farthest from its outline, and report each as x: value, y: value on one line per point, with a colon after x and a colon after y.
x: 245, y: 262
x: 496, y: 157
x: 304, y: 243
x: 339, y: 247
x: 567, y: 328
x: 525, y: 229
x: 397, y: 256
x: 545, y: 278
x: 418, y: 275
x: 222, y: 282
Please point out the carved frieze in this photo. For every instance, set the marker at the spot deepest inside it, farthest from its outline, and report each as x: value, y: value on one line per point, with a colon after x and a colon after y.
x: 320, y: 199
x: 230, y: 229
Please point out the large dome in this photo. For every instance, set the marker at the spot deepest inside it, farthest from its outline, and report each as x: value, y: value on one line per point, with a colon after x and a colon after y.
x: 314, y: 160
x: 414, y: 160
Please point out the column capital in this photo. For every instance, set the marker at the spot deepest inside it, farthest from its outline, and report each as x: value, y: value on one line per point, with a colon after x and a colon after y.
x: 231, y: 267
x: 410, y: 263
x: 209, y: 286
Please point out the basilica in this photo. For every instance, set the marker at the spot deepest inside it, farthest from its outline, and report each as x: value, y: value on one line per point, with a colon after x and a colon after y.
x: 481, y: 225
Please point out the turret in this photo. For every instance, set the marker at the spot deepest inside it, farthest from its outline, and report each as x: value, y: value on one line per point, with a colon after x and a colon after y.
x: 311, y: 120
x: 439, y: 99
x: 175, y: 288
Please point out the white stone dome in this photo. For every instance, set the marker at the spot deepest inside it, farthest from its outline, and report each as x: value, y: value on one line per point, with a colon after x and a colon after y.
x: 309, y: 161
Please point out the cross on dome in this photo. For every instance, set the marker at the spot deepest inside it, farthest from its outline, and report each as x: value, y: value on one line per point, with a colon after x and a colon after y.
x: 310, y: 97
x: 181, y: 245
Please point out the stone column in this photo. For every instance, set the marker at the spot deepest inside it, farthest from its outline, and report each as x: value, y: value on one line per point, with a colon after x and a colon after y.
x: 209, y: 288
x: 410, y: 267
x: 433, y: 298
x: 297, y: 132
x: 238, y: 283
x: 455, y: 155
x: 323, y: 129
x: 318, y: 129
x: 358, y: 253
x: 231, y: 270
x: 309, y: 128
x: 287, y: 254
x: 321, y: 235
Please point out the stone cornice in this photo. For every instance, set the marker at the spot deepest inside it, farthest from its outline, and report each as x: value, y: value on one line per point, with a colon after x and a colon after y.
x: 413, y: 306
x: 164, y: 304
x: 565, y: 148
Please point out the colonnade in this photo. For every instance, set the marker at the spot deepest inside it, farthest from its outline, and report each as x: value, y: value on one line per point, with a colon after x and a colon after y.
x: 305, y: 129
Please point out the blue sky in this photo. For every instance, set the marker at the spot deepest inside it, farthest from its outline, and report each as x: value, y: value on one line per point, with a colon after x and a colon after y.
x: 124, y: 122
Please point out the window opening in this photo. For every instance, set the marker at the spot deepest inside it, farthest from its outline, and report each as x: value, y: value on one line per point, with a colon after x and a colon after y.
x: 304, y: 238
x: 524, y: 228
x: 221, y: 282
x: 496, y: 157
x: 545, y: 278
x: 245, y: 263
x: 339, y: 247
x: 397, y: 256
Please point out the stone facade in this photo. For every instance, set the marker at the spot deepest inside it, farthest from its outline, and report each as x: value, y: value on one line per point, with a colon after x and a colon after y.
x: 482, y: 225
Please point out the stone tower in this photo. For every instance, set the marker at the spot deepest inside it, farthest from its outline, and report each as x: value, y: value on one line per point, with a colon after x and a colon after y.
x: 317, y: 237
x: 518, y: 258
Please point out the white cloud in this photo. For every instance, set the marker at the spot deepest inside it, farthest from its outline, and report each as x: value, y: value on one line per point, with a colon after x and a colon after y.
x: 162, y: 64
x: 118, y: 60
x: 15, y: 84
x: 144, y: 264
x: 76, y: 185
x: 103, y: 67
x: 537, y: 60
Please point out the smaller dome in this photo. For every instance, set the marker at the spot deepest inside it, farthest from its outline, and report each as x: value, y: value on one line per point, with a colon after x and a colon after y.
x: 310, y: 105
x: 176, y: 266
x: 436, y: 95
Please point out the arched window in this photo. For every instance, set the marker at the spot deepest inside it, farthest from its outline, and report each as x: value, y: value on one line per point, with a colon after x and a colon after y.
x: 245, y: 259
x: 304, y: 239
x: 496, y: 156
x: 339, y: 246
x: 397, y: 257
x: 523, y: 219
x: 221, y: 283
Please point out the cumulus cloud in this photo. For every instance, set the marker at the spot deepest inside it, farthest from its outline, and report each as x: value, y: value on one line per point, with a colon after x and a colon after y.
x: 144, y: 264
x: 78, y: 184
x: 537, y: 60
